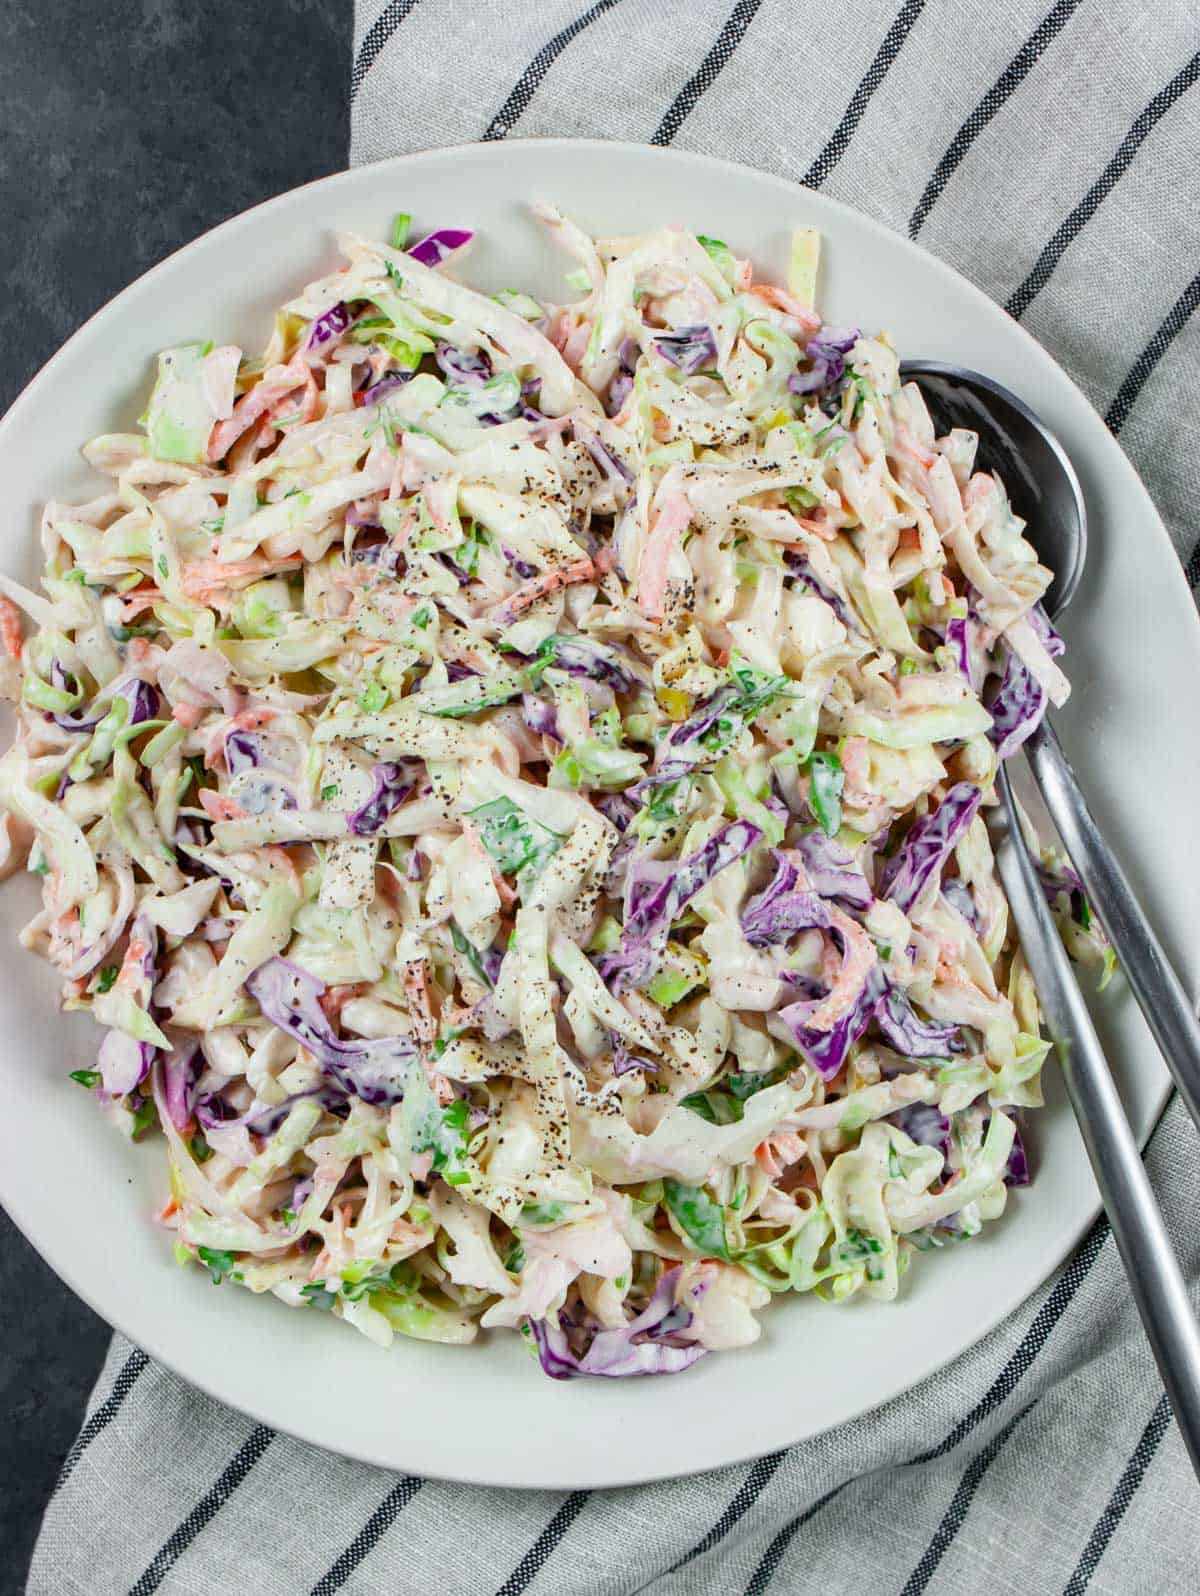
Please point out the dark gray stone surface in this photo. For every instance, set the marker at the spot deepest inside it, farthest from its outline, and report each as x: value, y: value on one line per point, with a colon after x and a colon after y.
x: 127, y: 127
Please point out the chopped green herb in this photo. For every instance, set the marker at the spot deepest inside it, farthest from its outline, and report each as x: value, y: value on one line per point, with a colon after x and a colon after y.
x: 519, y: 844
x: 443, y: 1132
x: 826, y: 780
x: 470, y: 953
x: 544, y: 1213
x: 199, y: 1148
x: 702, y: 1219
x: 373, y: 698
x: 144, y: 1115
x: 106, y: 978
x: 318, y: 1295
x: 401, y: 223
x: 88, y: 1078
x: 219, y: 1264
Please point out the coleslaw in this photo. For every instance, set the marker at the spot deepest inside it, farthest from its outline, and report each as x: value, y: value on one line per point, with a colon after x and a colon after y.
x: 509, y: 779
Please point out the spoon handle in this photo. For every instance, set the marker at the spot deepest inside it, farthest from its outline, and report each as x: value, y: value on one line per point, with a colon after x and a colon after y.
x: 1155, y: 1280
x: 1171, y: 1018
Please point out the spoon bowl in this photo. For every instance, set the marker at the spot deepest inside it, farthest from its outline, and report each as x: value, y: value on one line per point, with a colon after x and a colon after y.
x: 1015, y: 443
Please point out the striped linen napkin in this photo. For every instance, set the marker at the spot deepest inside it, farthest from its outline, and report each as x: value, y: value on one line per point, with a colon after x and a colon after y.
x: 1048, y: 154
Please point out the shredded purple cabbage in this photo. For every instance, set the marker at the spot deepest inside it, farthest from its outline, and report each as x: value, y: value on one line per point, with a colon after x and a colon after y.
x: 652, y: 906
x: 124, y: 1063
x: 826, y: 1050
x: 438, y: 246
x: 609, y: 462
x: 827, y: 352
x: 621, y: 385
x: 958, y: 638
x: 928, y: 845
x: 470, y: 366
x: 880, y: 1001
x: 801, y: 568
x: 181, y: 1071
x: 328, y: 326
x: 624, y: 1061
x: 649, y: 1344
x: 1016, y: 1171
x: 1017, y: 708
x: 692, y: 349
x: 522, y: 567
x: 782, y: 907
x: 579, y: 656
x: 832, y: 871
x: 375, y: 1071
x: 394, y: 782
x: 910, y: 1035
x: 141, y: 697
x: 958, y: 895
x: 263, y: 1119
x: 387, y: 384
x: 243, y: 751
x: 540, y: 717
x: 925, y: 1124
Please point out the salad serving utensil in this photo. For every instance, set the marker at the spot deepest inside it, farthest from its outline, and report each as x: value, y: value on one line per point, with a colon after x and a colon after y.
x: 1046, y: 492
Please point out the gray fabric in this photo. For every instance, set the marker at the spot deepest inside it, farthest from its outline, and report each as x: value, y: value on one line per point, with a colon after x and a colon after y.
x: 1044, y: 1459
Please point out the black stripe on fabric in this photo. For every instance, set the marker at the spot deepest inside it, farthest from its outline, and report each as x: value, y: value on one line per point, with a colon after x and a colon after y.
x: 1139, y: 373
x: 893, y: 41
x: 1020, y: 301
x: 1032, y: 1341
x: 761, y: 1472
x: 1011, y: 78
x: 998, y: 1392
x: 539, y: 1553
x: 1192, y: 568
x: 706, y: 74
x: 960, y: 1505
x: 530, y: 80
x: 205, y: 1510
x: 372, y: 1532
x: 765, y: 1571
x: 135, y: 1364
x: 376, y: 37
x: 1120, y: 1499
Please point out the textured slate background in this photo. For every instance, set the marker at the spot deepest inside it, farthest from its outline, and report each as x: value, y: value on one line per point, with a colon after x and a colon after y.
x: 127, y: 127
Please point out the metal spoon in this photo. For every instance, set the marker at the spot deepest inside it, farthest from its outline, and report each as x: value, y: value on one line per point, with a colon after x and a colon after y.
x: 1045, y: 491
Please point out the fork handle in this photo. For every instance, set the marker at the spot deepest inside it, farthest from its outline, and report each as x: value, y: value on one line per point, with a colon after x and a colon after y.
x: 1155, y: 1280
x: 1158, y: 990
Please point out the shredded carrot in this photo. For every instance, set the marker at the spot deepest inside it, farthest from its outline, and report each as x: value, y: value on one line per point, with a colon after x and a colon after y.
x: 780, y: 299
x: 134, y: 603
x: 418, y: 1000
x: 204, y: 579
x: 10, y: 628
x: 539, y: 586
x: 674, y: 516
x: 334, y: 998
x: 764, y: 1157
x: 274, y: 385
x: 253, y: 719
x: 218, y: 807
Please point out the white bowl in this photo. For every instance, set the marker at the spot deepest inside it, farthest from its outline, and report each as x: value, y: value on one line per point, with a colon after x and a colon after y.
x: 486, y: 1413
